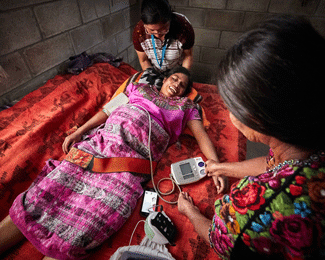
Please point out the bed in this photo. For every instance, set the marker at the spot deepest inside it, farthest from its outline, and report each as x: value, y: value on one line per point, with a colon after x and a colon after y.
x: 33, y: 130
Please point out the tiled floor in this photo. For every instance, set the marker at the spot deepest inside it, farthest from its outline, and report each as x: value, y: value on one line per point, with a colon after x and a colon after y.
x: 256, y: 150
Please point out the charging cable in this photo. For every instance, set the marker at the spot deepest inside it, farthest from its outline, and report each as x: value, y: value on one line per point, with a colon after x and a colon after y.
x: 151, y: 167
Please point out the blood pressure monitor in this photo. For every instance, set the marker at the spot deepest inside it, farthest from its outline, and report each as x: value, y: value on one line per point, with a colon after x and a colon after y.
x: 188, y: 171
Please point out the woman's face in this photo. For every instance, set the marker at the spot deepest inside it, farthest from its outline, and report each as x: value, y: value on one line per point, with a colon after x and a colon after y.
x: 249, y: 133
x: 159, y: 30
x: 175, y: 85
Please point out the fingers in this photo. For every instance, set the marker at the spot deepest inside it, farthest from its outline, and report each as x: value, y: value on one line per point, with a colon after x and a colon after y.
x: 66, y: 145
x: 211, y: 167
x: 223, y: 184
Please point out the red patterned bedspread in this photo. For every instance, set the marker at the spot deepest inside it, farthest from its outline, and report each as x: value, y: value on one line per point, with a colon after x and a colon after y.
x: 33, y: 130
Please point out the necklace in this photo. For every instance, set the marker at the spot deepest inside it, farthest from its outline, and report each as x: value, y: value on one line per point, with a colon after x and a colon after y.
x: 313, y: 161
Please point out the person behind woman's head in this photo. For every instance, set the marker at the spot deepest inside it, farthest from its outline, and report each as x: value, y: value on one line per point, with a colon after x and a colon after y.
x: 162, y: 39
x: 272, y: 81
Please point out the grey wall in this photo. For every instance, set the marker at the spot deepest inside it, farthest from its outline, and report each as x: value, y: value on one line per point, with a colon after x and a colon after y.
x: 218, y: 23
x: 37, y: 36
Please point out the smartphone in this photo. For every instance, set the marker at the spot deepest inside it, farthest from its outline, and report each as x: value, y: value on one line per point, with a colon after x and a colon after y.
x: 150, y: 199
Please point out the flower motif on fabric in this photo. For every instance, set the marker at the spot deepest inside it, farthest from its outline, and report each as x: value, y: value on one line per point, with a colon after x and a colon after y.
x: 220, y: 238
x: 227, y: 213
x: 249, y: 197
x: 316, y: 190
x: 296, y: 233
x: 275, y: 180
x: 264, y: 245
x: 302, y: 209
x: 266, y: 220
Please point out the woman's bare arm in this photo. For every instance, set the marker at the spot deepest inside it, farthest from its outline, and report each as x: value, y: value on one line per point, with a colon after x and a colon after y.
x: 252, y: 167
x: 75, y: 137
x: 203, y: 139
x: 144, y: 60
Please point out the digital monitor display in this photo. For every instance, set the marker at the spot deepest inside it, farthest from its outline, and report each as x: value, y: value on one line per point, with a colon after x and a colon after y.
x: 186, y: 170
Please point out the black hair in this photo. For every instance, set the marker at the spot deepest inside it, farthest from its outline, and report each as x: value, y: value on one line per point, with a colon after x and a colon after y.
x: 272, y: 81
x: 156, y: 11
x: 180, y: 69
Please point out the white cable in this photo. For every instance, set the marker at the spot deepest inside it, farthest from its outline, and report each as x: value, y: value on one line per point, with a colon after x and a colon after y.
x: 151, y: 167
x: 134, y: 230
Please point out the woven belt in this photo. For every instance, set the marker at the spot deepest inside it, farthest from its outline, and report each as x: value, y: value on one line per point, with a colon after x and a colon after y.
x: 116, y: 164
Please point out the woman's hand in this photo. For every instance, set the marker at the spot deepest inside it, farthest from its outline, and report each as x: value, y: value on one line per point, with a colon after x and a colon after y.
x: 212, y: 169
x: 186, y: 205
x: 70, y: 140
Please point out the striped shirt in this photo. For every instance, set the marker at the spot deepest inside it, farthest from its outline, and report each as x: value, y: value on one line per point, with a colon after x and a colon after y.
x: 179, y: 38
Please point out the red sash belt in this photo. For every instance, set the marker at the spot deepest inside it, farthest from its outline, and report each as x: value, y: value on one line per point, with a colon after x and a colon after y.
x: 117, y: 164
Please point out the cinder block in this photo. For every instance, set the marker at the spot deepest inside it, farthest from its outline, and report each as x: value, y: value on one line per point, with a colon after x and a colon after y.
x: 132, y: 55
x: 252, y: 19
x: 87, y: 10
x: 293, y: 6
x: 57, y: 17
x: 18, y: 73
x: 248, y: 5
x: 321, y: 9
x: 118, y: 5
x: 211, y: 55
x: 204, y: 73
x: 17, y: 30
x: 179, y: 2
x: 86, y: 36
x: 131, y: 16
x: 124, y: 40
x: 220, y: 4
x: 205, y: 37
x: 47, y: 54
x: 102, y: 7
x: 112, y: 24
x: 108, y: 46
x: 195, y: 15
x: 196, y: 53
x: 224, y: 20
x: 12, y: 4
x: 228, y: 39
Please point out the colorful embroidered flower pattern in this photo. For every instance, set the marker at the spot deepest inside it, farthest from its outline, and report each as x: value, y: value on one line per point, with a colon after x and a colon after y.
x: 228, y: 215
x: 316, y: 189
x: 275, y: 181
x: 292, y: 223
x: 249, y: 197
x: 220, y: 238
x: 295, y: 233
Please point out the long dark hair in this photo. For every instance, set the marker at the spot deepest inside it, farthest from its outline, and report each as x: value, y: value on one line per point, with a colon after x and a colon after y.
x: 272, y: 80
x: 156, y: 11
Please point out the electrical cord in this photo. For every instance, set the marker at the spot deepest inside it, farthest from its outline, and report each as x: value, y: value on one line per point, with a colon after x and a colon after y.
x: 151, y: 167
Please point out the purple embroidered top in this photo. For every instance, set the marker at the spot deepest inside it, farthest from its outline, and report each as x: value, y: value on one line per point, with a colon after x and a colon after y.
x: 171, y: 113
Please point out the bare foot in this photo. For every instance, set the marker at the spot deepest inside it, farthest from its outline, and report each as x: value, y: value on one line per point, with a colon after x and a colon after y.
x: 186, y: 205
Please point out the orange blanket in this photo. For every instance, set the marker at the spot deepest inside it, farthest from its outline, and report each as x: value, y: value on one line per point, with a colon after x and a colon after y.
x: 33, y: 130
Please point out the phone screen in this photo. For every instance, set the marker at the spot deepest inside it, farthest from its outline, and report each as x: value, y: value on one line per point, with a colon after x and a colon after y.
x: 150, y: 199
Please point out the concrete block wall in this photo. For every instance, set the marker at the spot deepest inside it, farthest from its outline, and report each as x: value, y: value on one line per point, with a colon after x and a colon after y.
x: 218, y: 23
x: 38, y: 36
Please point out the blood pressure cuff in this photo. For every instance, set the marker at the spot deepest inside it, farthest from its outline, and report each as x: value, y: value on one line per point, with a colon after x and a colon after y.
x: 193, y: 95
x: 107, y: 165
